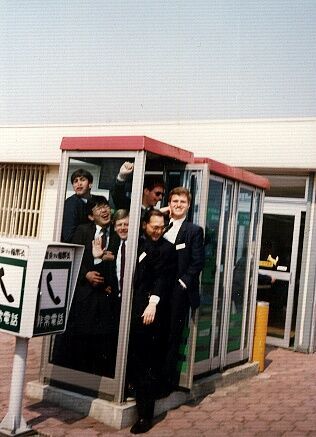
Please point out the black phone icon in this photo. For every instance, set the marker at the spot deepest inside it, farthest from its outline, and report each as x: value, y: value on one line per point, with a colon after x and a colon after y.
x: 9, y: 297
x: 55, y: 299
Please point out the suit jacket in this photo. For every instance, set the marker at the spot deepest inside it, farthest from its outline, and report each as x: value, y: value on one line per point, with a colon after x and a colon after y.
x: 118, y: 195
x: 75, y: 213
x: 92, y: 308
x: 111, y: 275
x: 155, y: 273
x: 190, y: 249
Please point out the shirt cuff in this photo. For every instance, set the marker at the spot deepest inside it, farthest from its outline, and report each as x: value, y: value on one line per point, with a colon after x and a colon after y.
x: 97, y: 261
x: 121, y: 178
x: 154, y: 299
x: 182, y: 283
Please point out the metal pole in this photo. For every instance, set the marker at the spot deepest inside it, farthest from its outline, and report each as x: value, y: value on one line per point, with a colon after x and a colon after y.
x: 13, y: 423
x: 261, y: 327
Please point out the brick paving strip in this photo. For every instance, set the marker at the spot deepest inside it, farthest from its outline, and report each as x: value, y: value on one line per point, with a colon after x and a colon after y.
x: 281, y: 401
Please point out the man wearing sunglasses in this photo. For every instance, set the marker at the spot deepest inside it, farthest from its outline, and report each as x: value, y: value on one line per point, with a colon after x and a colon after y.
x: 153, y: 189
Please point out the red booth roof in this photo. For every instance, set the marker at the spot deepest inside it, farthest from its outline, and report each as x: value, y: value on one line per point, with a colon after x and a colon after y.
x: 235, y: 173
x: 126, y: 143
x: 159, y: 148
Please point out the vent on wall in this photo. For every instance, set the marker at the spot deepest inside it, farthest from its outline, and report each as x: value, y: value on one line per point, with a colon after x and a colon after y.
x: 21, y: 192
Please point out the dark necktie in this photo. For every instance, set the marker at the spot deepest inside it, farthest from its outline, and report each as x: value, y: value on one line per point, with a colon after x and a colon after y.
x: 123, y: 247
x: 104, y: 238
x: 168, y: 227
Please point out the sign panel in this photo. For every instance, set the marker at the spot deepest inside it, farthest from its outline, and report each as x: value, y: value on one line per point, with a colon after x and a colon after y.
x: 54, y: 291
x: 13, y: 263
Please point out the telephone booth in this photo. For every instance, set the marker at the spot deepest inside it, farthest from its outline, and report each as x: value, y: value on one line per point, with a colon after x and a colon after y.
x: 226, y: 202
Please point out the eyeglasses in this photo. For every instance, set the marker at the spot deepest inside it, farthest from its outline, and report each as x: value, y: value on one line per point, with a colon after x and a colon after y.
x: 159, y: 193
x: 101, y: 208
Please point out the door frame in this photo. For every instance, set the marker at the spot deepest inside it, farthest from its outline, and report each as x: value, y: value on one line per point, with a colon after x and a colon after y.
x: 289, y: 209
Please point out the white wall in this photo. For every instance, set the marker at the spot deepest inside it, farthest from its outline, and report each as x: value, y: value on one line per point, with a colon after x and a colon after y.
x: 277, y: 143
x: 47, y: 220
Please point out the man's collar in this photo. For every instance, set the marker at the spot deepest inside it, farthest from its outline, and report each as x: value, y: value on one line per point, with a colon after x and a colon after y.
x: 177, y: 221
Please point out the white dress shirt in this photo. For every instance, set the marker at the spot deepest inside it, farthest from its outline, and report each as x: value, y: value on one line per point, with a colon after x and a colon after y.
x: 172, y: 234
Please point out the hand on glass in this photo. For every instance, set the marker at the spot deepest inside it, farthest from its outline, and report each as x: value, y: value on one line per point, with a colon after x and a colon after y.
x: 149, y: 314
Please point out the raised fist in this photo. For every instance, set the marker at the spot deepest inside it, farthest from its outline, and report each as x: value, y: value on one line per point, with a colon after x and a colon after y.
x: 126, y: 169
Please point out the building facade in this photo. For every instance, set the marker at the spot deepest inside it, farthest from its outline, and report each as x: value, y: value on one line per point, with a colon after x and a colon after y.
x: 281, y: 149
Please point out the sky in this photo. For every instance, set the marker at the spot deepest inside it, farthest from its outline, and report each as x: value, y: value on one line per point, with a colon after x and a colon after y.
x: 101, y: 61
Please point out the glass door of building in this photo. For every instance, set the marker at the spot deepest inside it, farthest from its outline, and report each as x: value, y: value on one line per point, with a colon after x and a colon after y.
x: 278, y: 259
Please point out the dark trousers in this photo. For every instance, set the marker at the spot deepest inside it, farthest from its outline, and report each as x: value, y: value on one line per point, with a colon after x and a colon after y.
x: 178, y: 317
x: 144, y: 366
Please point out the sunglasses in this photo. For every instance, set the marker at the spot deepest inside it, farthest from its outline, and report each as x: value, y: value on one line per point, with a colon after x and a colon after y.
x: 159, y: 193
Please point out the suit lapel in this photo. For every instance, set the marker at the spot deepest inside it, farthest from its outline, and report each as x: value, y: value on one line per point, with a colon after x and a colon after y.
x: 181, y: 233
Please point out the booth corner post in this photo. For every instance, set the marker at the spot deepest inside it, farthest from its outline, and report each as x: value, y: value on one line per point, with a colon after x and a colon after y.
x: 261, y: 326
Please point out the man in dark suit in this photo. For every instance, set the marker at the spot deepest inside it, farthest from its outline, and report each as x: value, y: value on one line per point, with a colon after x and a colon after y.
x: 87, y: 343
x: 153, y: 281
x: 153, y: 189
x: 75, y: 207
x: 188, y: 240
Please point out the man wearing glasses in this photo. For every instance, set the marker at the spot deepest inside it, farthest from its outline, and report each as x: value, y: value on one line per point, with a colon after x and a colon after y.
x: 153, y: 189
x: 153, y: 282
x: 86, y: 344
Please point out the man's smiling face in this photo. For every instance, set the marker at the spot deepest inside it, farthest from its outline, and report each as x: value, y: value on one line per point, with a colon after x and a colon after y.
x: 179, y: 206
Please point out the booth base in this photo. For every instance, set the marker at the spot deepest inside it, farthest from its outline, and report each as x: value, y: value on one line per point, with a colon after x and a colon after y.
x: 122, y: 415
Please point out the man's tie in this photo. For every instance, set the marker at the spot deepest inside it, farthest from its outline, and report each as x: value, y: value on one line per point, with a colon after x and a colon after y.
x: 168, y: 227
x: 104, y: 238
x: 123, y: 247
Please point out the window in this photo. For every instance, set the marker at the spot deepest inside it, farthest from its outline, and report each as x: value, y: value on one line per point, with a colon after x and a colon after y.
x: 21, y: 191
x: 293, y: 187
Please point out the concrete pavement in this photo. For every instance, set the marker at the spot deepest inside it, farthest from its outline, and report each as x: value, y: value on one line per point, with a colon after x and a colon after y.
x: 281, y: 401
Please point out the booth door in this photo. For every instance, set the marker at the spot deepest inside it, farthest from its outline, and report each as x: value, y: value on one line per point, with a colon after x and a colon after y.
x: 278, y: 258
x: 210, y: 318
x: 240, y: 279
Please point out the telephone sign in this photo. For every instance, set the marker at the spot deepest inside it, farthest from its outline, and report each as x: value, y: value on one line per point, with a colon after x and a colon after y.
x: 13, y: 262
x: 37, y: 282
x: 53, y: 293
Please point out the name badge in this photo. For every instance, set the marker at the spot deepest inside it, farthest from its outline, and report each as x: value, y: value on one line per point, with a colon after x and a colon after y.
x: 142, y: 256
x: 180, y: 246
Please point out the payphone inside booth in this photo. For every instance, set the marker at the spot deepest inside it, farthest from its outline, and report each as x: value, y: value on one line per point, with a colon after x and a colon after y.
x: 103, y: 157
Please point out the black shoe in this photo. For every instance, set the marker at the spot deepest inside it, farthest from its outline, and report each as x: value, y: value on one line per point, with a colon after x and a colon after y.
x: 142, y: 425
x: 130, y: 393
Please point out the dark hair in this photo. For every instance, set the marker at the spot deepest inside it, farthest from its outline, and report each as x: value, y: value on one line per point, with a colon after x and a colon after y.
x: 95, y: 200
x: 81, y: 172
x: 180, y: 191
x: 152, y: 181
x: 152, y: 213
x: 119, y: 215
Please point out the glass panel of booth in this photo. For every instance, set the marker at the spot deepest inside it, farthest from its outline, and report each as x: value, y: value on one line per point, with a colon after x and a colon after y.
x: 240, y: 283
x: 255, y: 249
x: 209, y: 299
x: 223, y: 268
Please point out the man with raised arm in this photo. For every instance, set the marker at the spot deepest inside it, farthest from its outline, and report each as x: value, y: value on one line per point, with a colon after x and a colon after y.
x: 153, y: 189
